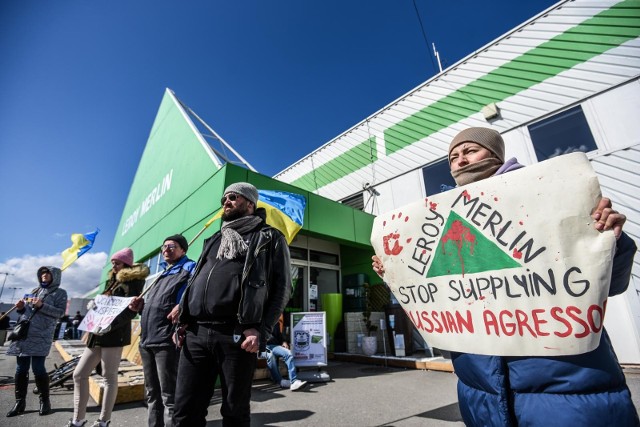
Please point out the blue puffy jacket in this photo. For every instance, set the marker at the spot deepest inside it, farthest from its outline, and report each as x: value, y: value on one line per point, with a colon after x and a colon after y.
x: 581, y: 390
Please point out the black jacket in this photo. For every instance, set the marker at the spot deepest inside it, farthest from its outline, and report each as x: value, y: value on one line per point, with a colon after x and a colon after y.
x: 265, y: 283
x: 127, y: 283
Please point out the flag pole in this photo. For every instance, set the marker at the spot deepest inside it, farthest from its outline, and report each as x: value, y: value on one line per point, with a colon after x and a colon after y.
x: 16, y: 306
x: 152, y: 284
x: 213, y: 218
x: 211, y: 221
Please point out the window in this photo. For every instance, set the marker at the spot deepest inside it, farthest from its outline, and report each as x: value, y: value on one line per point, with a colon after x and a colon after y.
x: 563, y: 133
x: 298, y: 253
x: 436, y: 175
x: 356, y: 201
x: 153, y: 263
x: 324, y: 258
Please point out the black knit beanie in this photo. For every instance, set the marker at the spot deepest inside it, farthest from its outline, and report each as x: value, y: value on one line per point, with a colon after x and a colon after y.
x: 179, y: 239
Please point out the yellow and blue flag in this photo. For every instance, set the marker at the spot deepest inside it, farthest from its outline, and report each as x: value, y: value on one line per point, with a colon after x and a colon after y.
x: 285, y: 211
x: 81, y: 244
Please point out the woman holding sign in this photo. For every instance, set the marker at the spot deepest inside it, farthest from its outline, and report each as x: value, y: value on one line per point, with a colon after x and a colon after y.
x: 40, y: 311
x: 125, y: 279
x: 579, y: 390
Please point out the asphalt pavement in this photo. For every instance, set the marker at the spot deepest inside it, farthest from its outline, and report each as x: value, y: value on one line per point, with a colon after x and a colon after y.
x: 356, y: 395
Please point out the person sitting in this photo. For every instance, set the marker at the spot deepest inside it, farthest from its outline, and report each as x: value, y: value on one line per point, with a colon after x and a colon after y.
x: 278, y: 348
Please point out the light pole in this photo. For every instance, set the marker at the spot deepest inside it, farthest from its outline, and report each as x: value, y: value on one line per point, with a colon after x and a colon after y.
x: 3, y: 282
x: 13, y: 297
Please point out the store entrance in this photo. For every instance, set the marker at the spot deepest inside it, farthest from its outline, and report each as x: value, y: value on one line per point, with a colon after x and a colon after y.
x: 309, y: 284
x: 298, y: 296
x: 315, y: 271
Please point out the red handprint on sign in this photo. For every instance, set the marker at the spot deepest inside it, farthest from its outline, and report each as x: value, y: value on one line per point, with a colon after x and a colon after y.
x: 391, y: 241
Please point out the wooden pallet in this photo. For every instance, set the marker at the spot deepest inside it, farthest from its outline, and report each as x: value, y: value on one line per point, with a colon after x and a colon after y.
x: 130, y: 372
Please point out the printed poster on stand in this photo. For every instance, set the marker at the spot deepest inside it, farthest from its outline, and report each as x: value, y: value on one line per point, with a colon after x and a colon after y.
x: 309, y: 338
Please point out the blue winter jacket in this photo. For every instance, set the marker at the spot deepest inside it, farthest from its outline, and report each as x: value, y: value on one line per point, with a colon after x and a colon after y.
x: 160, y: 300
x: 581, y: 390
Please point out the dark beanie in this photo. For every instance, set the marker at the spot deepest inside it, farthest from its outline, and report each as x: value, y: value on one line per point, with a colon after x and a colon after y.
x: 485, y: 137
x: 179, y: 239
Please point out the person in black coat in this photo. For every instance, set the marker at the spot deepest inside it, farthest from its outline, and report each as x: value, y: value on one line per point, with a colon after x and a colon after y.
x: 126, y: 279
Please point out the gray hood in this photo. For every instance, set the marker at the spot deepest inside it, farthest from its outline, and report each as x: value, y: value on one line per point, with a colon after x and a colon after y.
x: 56, y: 274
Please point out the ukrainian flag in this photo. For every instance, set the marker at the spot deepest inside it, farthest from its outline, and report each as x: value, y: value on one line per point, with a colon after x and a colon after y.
x: 81, y: 244
x: 285, y: 211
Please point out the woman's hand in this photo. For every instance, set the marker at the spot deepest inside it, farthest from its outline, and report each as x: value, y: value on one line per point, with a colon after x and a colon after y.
x: 377, y: 266
x: 608, y: 219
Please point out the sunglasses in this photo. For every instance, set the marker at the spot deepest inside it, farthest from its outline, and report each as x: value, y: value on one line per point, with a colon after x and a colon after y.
x: 170, y: 248
x: 231, y: 196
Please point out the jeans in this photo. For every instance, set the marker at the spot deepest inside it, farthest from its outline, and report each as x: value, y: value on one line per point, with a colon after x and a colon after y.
x: 36, y: 363
x: 160, y: 365
x: 277, y: 351
x: 210, y: 352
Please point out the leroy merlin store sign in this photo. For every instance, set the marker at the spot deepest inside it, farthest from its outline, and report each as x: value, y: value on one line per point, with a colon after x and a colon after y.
x: 148, y: 202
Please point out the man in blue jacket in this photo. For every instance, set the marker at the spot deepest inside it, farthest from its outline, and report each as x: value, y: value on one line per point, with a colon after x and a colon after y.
x: 157, y: 350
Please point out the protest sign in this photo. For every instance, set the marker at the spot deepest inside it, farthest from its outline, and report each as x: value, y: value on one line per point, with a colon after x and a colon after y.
x: 510, y: 265
x: 106, y: 309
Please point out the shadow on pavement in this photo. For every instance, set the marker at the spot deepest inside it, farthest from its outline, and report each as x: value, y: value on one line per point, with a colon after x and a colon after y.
x: 268, y: 419
x: 449, y: 413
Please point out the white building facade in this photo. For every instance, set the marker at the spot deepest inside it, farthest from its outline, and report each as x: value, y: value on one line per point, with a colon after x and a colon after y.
x: 566, y: 80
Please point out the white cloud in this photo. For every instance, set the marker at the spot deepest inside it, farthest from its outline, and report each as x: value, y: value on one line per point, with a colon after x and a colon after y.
x: 81, y: 277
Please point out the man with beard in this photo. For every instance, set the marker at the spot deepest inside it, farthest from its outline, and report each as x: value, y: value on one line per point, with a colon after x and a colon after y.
x: 236, y: 295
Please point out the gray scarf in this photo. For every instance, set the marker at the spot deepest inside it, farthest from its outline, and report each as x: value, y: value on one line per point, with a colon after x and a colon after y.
x: 232, y: 243
x: 476, y: 171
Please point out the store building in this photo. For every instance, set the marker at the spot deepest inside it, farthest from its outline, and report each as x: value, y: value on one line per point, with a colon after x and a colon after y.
x: 566, y: 80
x: 177, y: 189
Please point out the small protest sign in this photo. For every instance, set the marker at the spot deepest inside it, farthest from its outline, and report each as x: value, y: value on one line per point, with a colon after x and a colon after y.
x: 105, y: 310
x: 510, y: 265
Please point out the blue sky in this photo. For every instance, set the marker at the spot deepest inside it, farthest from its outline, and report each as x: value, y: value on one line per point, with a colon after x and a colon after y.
x: 81, y: 82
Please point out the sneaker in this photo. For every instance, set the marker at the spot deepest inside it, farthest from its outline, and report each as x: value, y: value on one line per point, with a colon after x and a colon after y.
x: 285, y: 384
x: 100, y: 423
x: 297, y: 384
x: 72, y: 423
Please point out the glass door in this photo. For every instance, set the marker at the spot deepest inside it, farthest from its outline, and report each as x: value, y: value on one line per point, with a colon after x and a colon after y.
x: 298, y: 294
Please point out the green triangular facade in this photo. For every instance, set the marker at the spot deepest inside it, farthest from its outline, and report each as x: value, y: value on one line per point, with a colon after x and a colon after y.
x: 465, y: 250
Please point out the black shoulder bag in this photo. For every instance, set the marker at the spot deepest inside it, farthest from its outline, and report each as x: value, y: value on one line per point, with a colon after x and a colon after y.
x: 21, y: 329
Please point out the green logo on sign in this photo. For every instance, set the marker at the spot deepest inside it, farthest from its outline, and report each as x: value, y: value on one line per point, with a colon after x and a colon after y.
x: 464, y: 250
